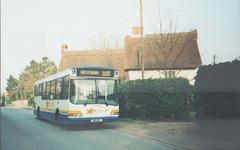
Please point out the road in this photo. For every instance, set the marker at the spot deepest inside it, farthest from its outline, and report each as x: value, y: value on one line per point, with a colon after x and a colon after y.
x: 22, y: 131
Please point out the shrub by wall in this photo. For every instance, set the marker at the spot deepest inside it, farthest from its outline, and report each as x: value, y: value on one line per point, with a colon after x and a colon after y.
x: 217, y: 91
x: 164, y: 99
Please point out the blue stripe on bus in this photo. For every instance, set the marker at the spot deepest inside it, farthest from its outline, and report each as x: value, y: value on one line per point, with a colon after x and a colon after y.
x: 63, y: 118
x: 88, y: 120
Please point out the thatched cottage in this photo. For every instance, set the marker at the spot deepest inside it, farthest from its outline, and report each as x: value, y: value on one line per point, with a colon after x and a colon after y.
x: 165, y: 55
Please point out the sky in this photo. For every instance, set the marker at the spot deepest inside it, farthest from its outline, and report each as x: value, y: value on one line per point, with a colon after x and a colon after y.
x: 33, y: 29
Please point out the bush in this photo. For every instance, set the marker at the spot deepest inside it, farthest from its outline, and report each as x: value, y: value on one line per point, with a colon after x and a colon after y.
x: 217, y: 91
x: 164, y: 99
x: 29, y: 102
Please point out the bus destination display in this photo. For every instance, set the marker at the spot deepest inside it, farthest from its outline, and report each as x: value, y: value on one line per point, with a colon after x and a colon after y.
x: 96, y: 73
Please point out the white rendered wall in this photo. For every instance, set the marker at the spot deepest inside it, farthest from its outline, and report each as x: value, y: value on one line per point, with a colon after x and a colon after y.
x: 154, y: 74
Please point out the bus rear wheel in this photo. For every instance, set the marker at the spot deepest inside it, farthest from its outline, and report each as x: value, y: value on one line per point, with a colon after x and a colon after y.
x: 57, y: 117
x: 38, y: 113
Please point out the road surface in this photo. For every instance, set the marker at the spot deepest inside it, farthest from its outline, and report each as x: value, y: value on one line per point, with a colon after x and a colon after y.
x: 20, y: 130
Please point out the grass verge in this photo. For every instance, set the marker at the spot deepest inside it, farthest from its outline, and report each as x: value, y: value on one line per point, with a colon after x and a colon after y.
x: 192, y: 116
x: 133, y: 120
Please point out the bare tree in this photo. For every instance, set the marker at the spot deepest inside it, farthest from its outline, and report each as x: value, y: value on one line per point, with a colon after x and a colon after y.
x: 106, y: 42
x: 168, y: 47
x: 216, y: 59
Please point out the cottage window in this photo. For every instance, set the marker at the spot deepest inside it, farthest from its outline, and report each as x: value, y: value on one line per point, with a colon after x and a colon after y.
x: 171, y: 74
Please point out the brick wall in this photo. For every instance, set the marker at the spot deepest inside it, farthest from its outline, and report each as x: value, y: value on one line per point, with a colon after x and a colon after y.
x: 20, y: 102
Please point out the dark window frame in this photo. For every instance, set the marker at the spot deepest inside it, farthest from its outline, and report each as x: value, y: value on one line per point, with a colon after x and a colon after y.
x: 40, y: 89
x: 53, y: 93
x: 48, y: 89
x: 65, y: 87
x: 58, y: 95
x: 44, y: 91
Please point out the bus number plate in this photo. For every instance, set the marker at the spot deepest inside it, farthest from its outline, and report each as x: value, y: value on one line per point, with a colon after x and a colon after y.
x: 96, y: 120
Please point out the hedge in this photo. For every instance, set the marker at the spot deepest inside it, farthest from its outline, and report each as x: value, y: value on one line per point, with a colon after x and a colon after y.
x: 151, y: 99
x: 217, y: 91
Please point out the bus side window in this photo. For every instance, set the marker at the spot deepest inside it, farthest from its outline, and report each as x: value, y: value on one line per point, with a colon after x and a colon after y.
x: 40, y: 89
x: 65, y: 87
x: 44, y: 94
x: 53, y: 90
x: 36, y: 90
x: 58, y: 88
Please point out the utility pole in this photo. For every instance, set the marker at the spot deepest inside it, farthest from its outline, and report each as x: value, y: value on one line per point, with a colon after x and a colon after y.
x: 142, y: 50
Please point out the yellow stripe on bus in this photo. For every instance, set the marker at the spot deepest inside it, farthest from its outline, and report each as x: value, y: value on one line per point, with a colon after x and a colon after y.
x: 61, y: 111
x: 46, y: 109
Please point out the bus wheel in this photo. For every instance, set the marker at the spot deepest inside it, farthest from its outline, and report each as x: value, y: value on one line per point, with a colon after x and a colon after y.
x: 38, y: 113
x: 57, y: 117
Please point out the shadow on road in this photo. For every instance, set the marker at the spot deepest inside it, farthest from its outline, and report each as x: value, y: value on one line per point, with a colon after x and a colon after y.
x: 227, y: 130
x: 87, y: 126
x: 83, y: 126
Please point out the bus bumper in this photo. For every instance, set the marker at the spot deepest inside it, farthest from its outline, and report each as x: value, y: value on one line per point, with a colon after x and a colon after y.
x: 91, y: 120
x: 64, y: 119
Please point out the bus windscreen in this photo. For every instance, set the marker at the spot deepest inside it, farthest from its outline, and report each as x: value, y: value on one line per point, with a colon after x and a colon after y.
x: 93, y: 92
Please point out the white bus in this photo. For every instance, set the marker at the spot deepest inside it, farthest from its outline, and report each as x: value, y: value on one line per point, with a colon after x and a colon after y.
x: 78, y: 95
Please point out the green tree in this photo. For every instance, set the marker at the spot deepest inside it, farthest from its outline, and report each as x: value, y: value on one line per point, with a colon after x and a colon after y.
x: 5, y: 99
x: 47, y: 67
x: 33, y: 73
x: 12, y: 85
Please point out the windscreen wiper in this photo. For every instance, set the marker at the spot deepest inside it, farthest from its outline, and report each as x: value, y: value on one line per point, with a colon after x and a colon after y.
x: 85, y: 104
x: 106, y: 102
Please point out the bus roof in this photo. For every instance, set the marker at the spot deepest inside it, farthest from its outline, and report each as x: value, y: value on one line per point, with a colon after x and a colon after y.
x: 92, y: 67
x: 69, y: 71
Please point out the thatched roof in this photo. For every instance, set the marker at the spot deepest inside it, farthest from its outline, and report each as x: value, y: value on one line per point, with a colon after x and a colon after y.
x: 171, y: 50
x: 175, y: 50
x: 97, y: 58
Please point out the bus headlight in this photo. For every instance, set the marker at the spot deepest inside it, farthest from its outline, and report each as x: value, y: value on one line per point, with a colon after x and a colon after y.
x: 74, y: 115
x: 114, y: 112
x: 78, y: 115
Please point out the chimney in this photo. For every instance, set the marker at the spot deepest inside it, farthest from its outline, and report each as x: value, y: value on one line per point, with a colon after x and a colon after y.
x: 136, y: 32
x: 64, y: 48
x: 194, y: 34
